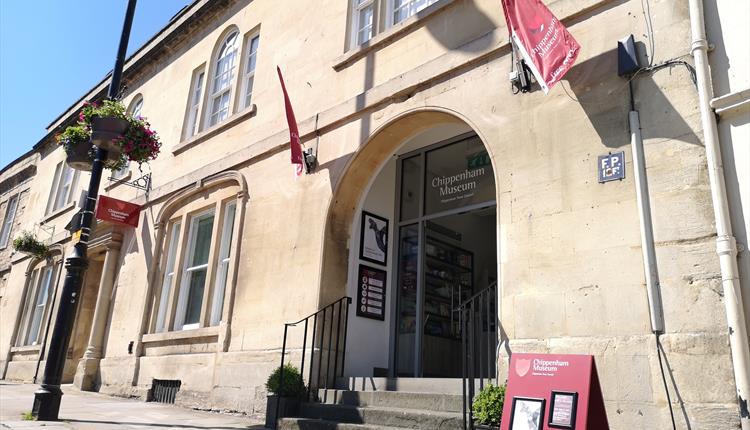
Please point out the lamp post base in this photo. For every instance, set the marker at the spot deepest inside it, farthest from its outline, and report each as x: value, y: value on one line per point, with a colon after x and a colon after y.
x: 47, y: 402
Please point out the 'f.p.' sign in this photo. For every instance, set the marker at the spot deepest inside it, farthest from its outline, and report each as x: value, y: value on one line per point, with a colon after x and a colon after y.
x: 611, y: 167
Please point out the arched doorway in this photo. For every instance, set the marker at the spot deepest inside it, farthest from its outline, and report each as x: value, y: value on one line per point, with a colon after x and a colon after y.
x: 412, y: 233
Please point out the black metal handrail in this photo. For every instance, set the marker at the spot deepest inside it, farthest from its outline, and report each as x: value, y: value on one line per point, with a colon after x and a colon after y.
x: 479, y: 340
x: 337, y: 314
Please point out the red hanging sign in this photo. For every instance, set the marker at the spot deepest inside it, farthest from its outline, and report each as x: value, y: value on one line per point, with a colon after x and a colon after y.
x: 553, y: 391
x: 117, y: 211
x: 545, y: 44
x: 294, y: 141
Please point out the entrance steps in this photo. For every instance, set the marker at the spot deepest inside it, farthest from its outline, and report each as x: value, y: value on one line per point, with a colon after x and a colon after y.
x: 378, y: 410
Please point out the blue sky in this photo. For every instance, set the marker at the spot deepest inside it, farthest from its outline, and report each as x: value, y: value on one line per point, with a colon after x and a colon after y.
x: 54, y: 51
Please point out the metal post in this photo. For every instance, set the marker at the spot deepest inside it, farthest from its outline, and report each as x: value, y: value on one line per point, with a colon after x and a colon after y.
x: 304, y: 347
x: 346, y: 327
x: 312, y: 356
x: 281, y: 379
x: 47, y: 397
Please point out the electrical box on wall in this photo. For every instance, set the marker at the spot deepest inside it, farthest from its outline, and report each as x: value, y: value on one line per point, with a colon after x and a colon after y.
x: 627, y: 57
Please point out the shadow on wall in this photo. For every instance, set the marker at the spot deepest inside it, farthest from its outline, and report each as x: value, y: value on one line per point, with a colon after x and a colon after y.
x: 443, y: 27
x: 605, y: 98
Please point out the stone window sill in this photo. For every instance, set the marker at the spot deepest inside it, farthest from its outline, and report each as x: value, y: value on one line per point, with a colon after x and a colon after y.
x: 27, y: 348
x: 213, y: 131
x: 55, y: 214
x: 181, y: 335
x: 390, y: 35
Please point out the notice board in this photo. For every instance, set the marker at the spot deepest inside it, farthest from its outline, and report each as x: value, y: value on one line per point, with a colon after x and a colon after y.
x: 553, y: 391
x: 370, y: 299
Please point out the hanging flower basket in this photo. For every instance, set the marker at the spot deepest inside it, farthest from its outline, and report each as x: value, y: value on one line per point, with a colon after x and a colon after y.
x: 29, y: 244
x: 106, y: 130
x: 76, y: 141
x: 109, y: 127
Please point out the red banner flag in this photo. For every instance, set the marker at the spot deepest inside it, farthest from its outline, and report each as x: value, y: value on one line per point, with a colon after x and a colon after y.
x: 294, y: 142
x: 546, y: 45
x: 117, y: 211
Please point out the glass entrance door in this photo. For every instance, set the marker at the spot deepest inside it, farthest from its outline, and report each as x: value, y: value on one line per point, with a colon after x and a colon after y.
x: 444, y: 194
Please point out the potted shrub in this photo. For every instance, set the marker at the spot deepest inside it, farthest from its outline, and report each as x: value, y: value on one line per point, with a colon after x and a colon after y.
x: 287, y: 397
x: 488, y: 407
x: 27, y: 243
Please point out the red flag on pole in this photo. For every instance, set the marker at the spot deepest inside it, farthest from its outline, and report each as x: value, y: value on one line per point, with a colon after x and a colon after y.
x: 546, y: 45
x: 294, y: 142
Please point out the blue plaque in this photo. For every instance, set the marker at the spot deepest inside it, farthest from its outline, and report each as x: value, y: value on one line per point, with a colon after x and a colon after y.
x: 611, y: 167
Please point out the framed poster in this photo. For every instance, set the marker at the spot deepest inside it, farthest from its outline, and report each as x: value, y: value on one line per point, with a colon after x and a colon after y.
x: 370, y: 300
x: 527, y: 414
x: 562, y: 409
x: 373, y: 239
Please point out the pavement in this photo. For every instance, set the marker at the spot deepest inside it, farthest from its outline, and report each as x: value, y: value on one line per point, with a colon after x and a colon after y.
x: 93, y: 411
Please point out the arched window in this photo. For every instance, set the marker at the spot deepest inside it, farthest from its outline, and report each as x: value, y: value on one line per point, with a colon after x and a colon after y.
x: 135, y: 111
x: 40, y: 286
x: 198, y: 246
x: 135, y: 106
x: 223, y: 79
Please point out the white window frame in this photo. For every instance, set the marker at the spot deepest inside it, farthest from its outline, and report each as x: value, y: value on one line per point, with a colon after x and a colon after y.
x: 188, y: 268
x: 192, y: 124
x: 249, y: 69
x: 59, y: 195
x: 391, y: 9
x: 10, y: 215
x: 357, y: 6
x: 40, y: 286
x: 228, y: 51
x: 222, y: 269
x: 169, y: 276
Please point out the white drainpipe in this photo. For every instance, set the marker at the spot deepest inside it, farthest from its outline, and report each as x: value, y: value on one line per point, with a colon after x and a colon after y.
x: 726, y: 246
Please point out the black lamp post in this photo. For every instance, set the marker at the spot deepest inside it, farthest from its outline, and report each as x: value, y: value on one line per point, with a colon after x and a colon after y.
x: 47, y: 397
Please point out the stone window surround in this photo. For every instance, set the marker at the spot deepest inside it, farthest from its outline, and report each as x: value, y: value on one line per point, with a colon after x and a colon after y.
x: 384, y: 38
x: 170, y: 207
x: 56, y: 252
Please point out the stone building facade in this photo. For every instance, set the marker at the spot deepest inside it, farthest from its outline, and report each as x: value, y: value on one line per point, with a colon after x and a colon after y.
x: 230, y: 245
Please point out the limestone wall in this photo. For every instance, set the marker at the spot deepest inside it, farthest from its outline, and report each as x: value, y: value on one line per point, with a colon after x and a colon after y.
x: 571, y: 271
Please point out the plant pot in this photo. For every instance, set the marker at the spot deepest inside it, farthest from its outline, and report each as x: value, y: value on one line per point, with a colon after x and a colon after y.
x: 105, y: 129
x: 78, y: 157
x: 485, y: 427
x: 288, y: 407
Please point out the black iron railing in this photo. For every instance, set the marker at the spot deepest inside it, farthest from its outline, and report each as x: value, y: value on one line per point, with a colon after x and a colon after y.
x: 479, y: 340
x: 325, y: 346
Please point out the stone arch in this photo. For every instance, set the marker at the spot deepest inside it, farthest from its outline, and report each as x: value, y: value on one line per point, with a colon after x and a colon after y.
x: 170, y: 206
x: 358, y: 174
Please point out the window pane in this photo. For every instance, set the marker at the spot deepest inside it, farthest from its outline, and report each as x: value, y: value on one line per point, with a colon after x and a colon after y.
x: 203, y: 241
x: 223, y: 269
x: 458, y: 175
x: 253, y: 53
x: 63, y: 188
x: 40, y: 304
x: 195, y: 296
x: 364, y: 32
x: 194, y: 275
x: 166, y: 286
x: 249, y: 92
x: 10, y: 212
x: 53, y: 190
x: 411, y: 170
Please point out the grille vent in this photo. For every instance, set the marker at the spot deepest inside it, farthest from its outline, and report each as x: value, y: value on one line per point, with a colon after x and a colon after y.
x: 165, y: 390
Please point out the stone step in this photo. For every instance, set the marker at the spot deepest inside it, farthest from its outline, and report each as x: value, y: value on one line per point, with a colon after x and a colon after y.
x: 394, y: 399
x: 411, y: 385
x: 314, y: 424
x: 382, y: 416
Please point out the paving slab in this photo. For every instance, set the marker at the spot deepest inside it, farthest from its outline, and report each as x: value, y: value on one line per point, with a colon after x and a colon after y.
x: 89, y: 411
